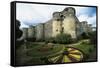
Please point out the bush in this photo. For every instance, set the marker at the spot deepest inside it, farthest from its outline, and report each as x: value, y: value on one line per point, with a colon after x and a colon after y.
x: 60, y: 38
x: 93, y: 38
x: 31, y: 39
x: 50, y: 40
x: 63, y: 38
x: 84, y: 35
x: 39, y: 40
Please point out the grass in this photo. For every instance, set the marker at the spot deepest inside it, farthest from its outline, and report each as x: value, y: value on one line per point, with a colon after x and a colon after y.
x: 82, y: 45
x: 36, y: 55
x: 86, y: 48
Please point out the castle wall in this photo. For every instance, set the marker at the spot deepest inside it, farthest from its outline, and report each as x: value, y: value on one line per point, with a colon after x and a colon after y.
x: 56, y: 27
x: 79, y: 29
x: 48, y: 29
x: 56, y: 23
x: 62, y: 22
x: 31, y: 32
x: 69, y: 25
x: 86, y: 27
x: 40, y: 31
x: 89, y: 27
x: 25, y: 33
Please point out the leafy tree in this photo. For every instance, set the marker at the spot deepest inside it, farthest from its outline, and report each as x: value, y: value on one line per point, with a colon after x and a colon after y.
x: 84, y: 35
x: 18, y: 34
x: 18, y: 31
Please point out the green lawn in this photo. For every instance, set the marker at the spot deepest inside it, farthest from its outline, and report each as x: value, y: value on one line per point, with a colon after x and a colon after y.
x: 36, y: 53
x: 86, y: 48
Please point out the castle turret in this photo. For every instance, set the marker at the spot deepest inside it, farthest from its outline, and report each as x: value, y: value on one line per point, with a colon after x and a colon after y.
x: 56, y: 16
x: 56, y: 23
x: 69, y: 22
x: 69, y: 12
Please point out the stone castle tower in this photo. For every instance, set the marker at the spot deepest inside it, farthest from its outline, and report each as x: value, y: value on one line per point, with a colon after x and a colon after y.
x: 66, y: 22
x: 61, y: 22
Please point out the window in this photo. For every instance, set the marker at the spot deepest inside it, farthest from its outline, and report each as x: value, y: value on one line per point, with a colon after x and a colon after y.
x: 58, y: 19
x: 57, y: 30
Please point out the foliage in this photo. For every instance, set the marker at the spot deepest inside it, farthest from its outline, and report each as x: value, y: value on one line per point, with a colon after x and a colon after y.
x: 84, y: 35
x: 93, y: 38
x: 18, y: 31
x: 63, y: 38
x: 31, y: 39
x: 18, y: 34
x: 50, y: 40
x: 86, y: 48
x: 60, y: 38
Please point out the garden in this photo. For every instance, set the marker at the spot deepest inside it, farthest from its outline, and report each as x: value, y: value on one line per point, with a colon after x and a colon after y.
x: 63, y: 50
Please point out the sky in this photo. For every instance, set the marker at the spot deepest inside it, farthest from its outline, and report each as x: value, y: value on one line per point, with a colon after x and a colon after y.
x: 32, y: 14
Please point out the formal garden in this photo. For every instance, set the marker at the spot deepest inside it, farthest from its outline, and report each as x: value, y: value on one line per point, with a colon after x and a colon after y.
x: 61, y: 49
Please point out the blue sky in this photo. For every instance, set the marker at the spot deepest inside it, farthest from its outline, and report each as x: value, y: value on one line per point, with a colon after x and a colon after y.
x: 32, y: 14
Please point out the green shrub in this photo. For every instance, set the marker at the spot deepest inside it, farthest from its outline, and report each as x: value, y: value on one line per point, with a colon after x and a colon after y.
x: 84, y: 35
x: 60, y: 38
x: 93, y: 38
x: 63, y: 38
x: 50, y: 40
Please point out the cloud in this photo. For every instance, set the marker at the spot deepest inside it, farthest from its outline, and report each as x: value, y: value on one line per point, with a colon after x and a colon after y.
x: 87, y: 14
x: 32, y: 14
x: 89, y: 19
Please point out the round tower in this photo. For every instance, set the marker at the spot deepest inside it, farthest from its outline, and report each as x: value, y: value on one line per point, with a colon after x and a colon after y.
x: 69, y: 22
x: 69, y: 12
x: 56, y: 23
x: 56, y: 16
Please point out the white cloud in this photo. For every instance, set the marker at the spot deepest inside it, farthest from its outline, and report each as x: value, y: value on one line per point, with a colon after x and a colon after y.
x: 83, y: 18
x: 89, y: 19
x: 30, y: 14
x: 92, y: 20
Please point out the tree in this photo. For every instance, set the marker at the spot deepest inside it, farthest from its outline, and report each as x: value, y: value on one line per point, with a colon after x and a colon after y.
x: 84, y: 35
x: 18, y: 31
x: 18, y: 34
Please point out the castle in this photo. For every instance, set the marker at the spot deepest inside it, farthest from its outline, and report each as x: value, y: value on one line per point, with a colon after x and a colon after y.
x: 62, y: 22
